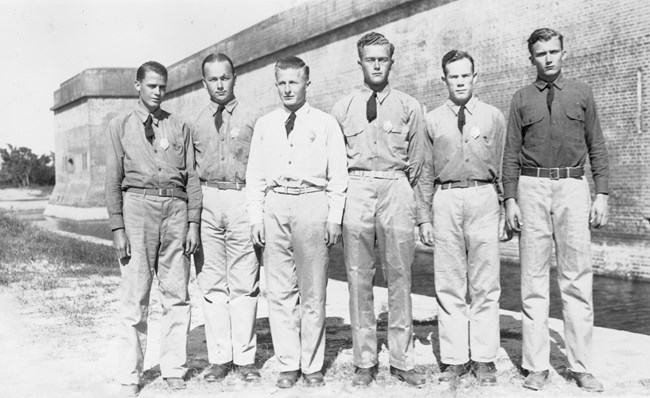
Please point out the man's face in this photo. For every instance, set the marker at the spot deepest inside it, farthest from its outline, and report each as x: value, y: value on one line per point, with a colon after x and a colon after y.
x: 219, y: 80
x: 460, y: 79
x: 547, y: 56
x: 292, y: 87
x: 152, y: 90
x: 375, y: 62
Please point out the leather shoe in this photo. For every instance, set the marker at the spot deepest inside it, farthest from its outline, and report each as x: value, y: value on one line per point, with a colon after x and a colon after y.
x: 364, y: 376
x: 410, y: 376
x: 175, y: 383
x: 453, y: 372
x: 536, y: 380
x: 288, y: 379
x: 485, y: 373
x: 314, y: 379
x: 587, y: 381
x: 217, y: 372
x: 249, y: 373
x: 129, y: 390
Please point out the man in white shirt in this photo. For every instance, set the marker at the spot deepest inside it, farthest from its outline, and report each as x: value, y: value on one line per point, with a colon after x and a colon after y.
x: 297, y: 178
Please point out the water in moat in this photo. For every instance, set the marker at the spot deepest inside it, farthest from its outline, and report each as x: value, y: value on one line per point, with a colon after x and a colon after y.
x: 618, y: 303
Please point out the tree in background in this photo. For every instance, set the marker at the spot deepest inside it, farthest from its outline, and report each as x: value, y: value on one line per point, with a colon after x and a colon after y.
x: 21, y: 167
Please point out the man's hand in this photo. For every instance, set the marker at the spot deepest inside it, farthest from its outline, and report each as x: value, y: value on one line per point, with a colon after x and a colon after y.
x: 426, y: 233
x: 192, y: 239
x: 599, y: 211
x: 505, y: 232
x: 332, y: 234
x: 513, y: 215
x: 257, y: 234
x: 121, y: 244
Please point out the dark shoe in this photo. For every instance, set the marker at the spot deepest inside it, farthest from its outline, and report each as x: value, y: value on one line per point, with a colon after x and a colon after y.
x: 536, y: 380
x: 314, y: 379
x: 364, y: 376
x: 408, y: 376
x: 129, y: 390
x: 175, y: 383
x: 249, y: 373
x: 485, y: 373
x: 217, y: 372
x: 288, y: 379
x: 453, y: 372
x: 587, y: 381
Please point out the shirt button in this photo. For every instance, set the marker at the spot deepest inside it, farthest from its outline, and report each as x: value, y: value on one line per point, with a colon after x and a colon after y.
x: 466, y: 140
x: 290, y: 162
x: 159, y: 168
x: 155, y: 151
x: 375, y: 142
x: 221, y: 138
x: 467, y: 179
x: 223, y: 158
x: 291, y: 145
x: 466, y: 160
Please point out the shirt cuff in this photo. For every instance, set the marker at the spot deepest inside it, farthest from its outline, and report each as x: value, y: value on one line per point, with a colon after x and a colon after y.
x: 509, y: 191
x: 601, y: 185
x: 116, y: 221
x: 194, y: 215
x: 335, y: 216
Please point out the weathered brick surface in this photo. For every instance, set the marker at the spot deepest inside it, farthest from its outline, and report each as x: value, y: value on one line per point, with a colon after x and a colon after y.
x: 608, y: 44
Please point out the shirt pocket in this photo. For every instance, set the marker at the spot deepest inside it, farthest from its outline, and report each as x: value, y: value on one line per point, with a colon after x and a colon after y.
x: 397, y: 136
x: 532, y: 130
x: 351, y: 132
x: 176, y: 155
x: 241, y: 137
x: 575, y: 124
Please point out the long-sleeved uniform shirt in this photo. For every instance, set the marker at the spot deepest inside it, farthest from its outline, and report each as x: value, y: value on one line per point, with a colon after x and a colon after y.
x: 473, y: 155
x: 223, y: 155
x: 395, y: 141
x: 313, y: 155
x: 562, y: 138
x: 133, y: 162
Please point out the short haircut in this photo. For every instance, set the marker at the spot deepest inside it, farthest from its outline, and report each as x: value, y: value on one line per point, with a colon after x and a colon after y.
x: 372, y: 39
x: 150, y: 66
x: 217, y: 57
x: 292, y: 62
x: 453, y: 56
x: 544, y: 34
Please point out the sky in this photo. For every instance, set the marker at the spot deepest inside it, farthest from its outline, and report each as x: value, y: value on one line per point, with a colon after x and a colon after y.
x: 44, y: 43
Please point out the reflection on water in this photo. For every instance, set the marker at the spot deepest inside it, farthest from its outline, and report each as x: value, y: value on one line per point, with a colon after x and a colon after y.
x: 619, y: 304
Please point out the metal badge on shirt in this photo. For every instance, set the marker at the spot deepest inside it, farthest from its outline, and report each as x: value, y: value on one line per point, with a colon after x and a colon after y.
x: 234, y: 133
x: 388, y: 126
x: 475, y: 132
x: 164, y: 144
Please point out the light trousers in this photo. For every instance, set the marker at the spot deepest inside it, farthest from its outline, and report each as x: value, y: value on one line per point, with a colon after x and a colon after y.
x: 381, y: 211
x: 466, y: 260
x: 227, y: 271
x: 156, y: 228
x: 296, y: 261
x: 556, y: 211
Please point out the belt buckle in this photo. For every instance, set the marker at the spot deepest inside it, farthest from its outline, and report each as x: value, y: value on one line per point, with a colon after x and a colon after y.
x: 166, y: 192
x: 552, y: 175
x: 237, y: 186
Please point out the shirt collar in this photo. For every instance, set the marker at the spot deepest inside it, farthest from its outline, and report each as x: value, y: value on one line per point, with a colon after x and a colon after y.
x: 302, y: 112
x: 470, y: 106
x: 559, y: 82
x: 143, y: 113
x: 229, y: 107
x: 381, y: 95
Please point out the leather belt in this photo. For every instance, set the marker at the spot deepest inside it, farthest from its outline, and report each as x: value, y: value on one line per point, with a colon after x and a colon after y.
x: 166, y: 192
x: 553, y: 173
x: 463, y: 184
x: 296, y: 190
x: 237, y: 186
x: 383, y: 175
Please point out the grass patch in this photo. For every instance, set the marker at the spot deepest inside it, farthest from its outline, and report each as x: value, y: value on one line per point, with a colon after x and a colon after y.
x: 58, y: 275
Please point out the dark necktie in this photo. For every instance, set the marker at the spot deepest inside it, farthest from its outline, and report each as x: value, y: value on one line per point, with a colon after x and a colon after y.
x: 461, y: 118
x: 288, y: 125
x: 371, y: 107
x: 549, y: 96
x: 148, y: 128
x: 218, y: 117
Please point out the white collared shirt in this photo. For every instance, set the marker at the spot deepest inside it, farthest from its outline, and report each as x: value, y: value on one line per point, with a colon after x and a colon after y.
x: 313, y: 155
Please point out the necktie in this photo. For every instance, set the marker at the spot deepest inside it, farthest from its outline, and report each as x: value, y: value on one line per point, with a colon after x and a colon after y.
x: 549, y: 96
x: 371, y: 107
x: 218, y: 117
x: 288, y: 125
x: 148, y: 128
x: 461, y: 118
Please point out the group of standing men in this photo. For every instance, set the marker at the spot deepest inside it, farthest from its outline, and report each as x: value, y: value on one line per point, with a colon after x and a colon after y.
x: 295, y: 181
